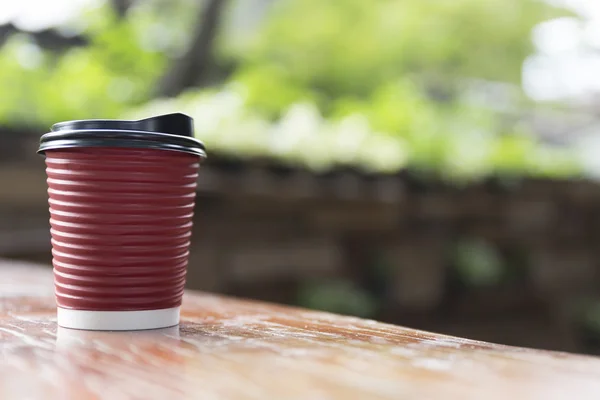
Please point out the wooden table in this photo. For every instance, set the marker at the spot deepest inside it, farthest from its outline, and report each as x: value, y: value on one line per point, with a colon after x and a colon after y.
x: 235, y: 349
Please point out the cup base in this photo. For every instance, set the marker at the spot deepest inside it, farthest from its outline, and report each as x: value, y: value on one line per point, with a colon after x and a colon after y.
x: 117, y: 320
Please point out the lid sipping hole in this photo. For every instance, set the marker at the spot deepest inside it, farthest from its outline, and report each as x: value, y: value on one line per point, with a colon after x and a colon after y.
x: 174, y: 124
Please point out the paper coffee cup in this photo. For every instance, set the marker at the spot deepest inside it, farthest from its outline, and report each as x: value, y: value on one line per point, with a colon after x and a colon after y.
x: 121, y: 196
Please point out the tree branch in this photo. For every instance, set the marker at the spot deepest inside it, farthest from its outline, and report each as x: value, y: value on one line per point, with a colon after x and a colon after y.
x: 121, y: 7
x: 191, y: 69
x: 48, y: 39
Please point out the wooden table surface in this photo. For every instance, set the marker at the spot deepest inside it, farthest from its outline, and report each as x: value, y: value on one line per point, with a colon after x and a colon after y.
x: 235, y: 349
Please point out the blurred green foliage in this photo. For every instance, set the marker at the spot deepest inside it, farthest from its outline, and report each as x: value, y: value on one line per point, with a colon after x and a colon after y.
x: 381, y: 84
x: 304, y: 137
x: 340, y: 297
x: 97, y: 81
x: 341, y: 51
x: 477, y: 263
x: 402, y: 69
x: 589, y: 310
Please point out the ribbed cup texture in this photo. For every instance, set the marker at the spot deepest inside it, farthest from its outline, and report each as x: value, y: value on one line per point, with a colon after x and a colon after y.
x: 121, y: 222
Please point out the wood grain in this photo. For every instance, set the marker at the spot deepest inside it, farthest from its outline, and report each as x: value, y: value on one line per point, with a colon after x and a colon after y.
x: 235, y: 349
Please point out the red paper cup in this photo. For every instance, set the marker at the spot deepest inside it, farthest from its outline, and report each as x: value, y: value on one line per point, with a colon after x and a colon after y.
x: 121, y: 207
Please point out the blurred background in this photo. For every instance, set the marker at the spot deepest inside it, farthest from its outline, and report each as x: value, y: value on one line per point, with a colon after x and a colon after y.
x: 424, y: 163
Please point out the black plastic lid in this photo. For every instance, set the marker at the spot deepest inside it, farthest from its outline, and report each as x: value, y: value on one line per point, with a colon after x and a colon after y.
x: 165, y: 132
